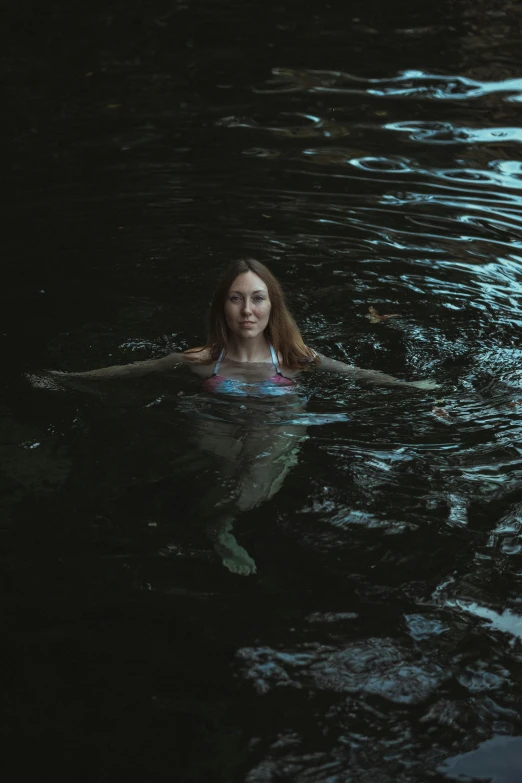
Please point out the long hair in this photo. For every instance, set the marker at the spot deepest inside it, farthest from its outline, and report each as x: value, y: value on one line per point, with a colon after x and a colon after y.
x: 281, y: 331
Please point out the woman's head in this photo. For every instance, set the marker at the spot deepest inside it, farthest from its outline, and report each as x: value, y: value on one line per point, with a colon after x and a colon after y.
x: 247, y: 306
x: 269, y: 311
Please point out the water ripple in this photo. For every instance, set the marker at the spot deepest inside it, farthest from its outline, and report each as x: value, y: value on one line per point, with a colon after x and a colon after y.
x: 437, y: 132
x: 499, y: 173
x: 407, y: 84
x: 290, y: 124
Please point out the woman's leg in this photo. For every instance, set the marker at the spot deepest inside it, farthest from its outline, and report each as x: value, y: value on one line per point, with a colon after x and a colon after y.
x: 253, y: 464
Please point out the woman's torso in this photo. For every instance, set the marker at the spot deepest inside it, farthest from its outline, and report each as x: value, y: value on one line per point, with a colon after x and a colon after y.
x: 252, y: 379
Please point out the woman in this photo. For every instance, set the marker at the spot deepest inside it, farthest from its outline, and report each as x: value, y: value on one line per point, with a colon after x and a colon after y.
x: 254, y: 355
x: 253, y: 342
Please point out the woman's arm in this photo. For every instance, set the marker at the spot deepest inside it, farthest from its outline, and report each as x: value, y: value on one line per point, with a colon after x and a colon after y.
x: 126, y: 370
x: 372, y: 376
x: 52, y: 379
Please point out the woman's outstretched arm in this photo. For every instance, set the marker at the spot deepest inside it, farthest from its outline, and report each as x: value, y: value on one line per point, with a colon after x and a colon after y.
x: 54, y: 379
x: 126, y: 370
x: 372, y: 376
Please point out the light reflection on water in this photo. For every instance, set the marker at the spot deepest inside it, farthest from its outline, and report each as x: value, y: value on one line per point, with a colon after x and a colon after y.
x: 409, y: 84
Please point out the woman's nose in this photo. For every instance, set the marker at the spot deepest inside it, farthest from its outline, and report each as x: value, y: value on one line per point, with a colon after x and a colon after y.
x: 246, y: 306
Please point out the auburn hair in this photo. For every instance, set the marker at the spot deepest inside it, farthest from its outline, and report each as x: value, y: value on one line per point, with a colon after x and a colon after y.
x: 281, y: 331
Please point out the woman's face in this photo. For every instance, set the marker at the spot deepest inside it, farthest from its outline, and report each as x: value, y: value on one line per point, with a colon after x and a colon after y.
x: 247, y: 307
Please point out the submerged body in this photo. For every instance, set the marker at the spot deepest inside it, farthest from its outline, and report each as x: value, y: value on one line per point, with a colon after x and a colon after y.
x: 244, y: 430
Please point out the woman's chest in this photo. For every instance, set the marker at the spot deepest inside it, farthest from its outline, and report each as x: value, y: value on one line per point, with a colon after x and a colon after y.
x: 249, y: 373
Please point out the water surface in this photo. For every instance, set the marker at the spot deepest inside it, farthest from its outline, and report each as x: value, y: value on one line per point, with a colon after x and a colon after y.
x: 371, y: 156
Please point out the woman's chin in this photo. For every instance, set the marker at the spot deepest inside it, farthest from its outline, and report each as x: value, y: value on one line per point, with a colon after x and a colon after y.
x: 248, y: 334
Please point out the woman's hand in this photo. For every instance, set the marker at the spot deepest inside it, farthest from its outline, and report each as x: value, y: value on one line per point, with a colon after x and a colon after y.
x: 45, y: 381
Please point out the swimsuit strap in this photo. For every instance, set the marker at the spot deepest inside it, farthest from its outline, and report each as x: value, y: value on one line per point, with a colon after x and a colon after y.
x: 274, y: 359
x: 272, y: 353
x: 220, y: 359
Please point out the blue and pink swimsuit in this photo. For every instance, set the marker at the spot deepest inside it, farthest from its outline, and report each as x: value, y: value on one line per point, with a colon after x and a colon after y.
x: 276, y: 385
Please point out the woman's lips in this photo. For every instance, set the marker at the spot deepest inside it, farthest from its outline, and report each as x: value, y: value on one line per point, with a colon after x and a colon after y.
x: 246, y: 324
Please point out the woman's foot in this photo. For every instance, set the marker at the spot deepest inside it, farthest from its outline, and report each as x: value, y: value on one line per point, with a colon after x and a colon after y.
x: 233, y: 556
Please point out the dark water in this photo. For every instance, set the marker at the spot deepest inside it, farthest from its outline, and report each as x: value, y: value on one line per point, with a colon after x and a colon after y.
x: 370, y: 153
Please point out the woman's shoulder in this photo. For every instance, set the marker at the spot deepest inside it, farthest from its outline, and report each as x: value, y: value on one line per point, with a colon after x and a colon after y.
x: 306, y: 359
x: 298, y: 363
x: 197, y: 355
x: 199, y: 360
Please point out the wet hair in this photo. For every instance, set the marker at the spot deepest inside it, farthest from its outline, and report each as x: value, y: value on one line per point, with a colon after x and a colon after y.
x: 281, y: 330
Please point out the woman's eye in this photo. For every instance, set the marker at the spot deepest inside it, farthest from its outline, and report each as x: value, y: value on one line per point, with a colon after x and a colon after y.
x: 234, y: 298
x: 259, y: 298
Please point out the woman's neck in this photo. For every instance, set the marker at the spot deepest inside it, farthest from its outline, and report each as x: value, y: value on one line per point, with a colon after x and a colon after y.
x: 256, y: 350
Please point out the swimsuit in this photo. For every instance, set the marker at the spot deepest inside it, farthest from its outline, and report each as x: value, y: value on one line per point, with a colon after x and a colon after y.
x: 276, y: 385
